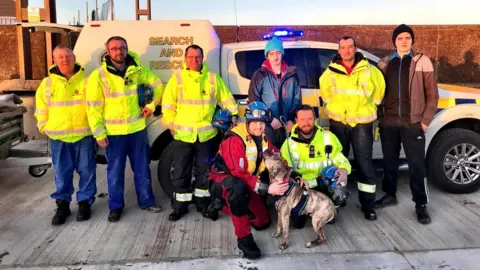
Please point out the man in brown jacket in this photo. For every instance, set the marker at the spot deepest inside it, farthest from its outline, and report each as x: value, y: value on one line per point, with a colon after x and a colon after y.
x: 409, y: 106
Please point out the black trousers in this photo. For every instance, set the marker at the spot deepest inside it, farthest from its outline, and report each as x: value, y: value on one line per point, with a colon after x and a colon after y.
x: 412, y: 137
x: 361, y: 139
x: 188, y: 156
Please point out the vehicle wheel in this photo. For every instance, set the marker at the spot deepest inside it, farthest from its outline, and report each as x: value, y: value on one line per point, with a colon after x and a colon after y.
x: 165, y: 170
x: 454, y: 161
x: 37, y: 171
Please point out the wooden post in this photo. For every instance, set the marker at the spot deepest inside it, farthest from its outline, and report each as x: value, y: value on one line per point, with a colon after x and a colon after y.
x: 50, y: 17
x: 143, y: 12
x: 23, y: 43
x: 111, y: 10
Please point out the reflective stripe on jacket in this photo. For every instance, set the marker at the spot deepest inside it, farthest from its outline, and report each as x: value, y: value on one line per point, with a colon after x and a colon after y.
x: 352, y: 99
x: 60, y: 106
x: 251, y: 151
x: 112, y: 100
x: 309, y: 159
x: 189, y: 102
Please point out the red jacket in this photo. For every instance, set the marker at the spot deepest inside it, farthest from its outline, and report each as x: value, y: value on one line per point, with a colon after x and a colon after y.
x: 235, y: 147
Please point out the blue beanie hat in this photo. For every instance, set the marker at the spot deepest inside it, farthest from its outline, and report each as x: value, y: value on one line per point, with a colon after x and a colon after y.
x: 274, y: 44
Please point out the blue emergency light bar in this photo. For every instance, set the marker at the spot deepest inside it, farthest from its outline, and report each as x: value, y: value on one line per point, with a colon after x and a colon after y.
x: 283, y: 33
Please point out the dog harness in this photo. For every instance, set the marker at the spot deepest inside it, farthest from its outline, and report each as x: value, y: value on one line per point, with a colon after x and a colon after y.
x: 300, y: 208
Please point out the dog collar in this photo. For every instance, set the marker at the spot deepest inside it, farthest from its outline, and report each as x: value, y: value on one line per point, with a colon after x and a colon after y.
x: 289, y: 189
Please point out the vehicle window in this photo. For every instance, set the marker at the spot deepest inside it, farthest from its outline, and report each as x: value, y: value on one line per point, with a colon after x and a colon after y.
x: 325, y: 56
x: 249, y: 61
x: 318, y: 61
x: 310, y: 63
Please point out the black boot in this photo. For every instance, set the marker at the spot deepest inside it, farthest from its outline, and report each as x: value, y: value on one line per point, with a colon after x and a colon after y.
x: 84, y: 211
x: 369, y: 214
x: 298, y: 221
x: 177, y: 214
x: 115, y: 215
x: 201, y: 204
x: 248, y: 246
x: 212, y: 210
x: 386, y: 200
x: 422, y: 214
x: 62, y: 212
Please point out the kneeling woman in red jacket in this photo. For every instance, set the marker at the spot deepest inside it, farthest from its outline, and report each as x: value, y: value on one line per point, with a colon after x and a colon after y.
x: 235, y: 178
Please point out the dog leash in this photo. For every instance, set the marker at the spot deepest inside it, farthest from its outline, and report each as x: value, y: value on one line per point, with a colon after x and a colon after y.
x: 284, y: 123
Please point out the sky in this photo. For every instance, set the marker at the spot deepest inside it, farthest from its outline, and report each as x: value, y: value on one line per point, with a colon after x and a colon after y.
x: 288, y: 12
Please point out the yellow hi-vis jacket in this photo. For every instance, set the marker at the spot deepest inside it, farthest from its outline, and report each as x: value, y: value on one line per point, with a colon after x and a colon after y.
x: 112, y: 100
x: 251, y: 151
x: 352, y: 99
x: 60, y: 106
x: 190, y: 101
x: 309, y: 159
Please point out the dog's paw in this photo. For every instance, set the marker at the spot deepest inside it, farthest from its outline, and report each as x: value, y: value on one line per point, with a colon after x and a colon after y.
x: 275, y: 234
x: 283, y: 246
x: 314, y: 243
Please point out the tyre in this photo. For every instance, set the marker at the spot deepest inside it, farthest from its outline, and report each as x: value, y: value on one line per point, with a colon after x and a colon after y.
x: 454, y: 161
x: 37, y: 171
x: 165, y: 170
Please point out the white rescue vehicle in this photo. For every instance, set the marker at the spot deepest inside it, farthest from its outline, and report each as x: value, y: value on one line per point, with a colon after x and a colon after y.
x: 452, y: 140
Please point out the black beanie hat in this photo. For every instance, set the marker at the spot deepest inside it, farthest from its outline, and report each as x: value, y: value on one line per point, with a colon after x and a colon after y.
x: 402, y: 28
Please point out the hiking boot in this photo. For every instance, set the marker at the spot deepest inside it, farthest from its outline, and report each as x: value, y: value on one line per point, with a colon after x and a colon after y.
x: 369, y: 214
x: 211, y: 215
x: 422, y: 214
x: 203, y: 210
x: 153, y: 208
x: 386, y: 200
x: 248, y: 246
x: 61, y: 213
x: 84, y: 211
x: 115, y: 215
x: 177, y: 214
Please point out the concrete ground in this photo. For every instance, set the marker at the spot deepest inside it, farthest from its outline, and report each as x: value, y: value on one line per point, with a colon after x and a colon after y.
x: 142, y: 240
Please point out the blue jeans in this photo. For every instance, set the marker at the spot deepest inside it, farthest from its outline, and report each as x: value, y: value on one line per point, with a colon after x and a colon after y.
x: 70, y: 157
x: 136, y: 147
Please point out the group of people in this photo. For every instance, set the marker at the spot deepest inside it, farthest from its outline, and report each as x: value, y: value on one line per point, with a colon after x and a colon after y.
x: 76, y: 113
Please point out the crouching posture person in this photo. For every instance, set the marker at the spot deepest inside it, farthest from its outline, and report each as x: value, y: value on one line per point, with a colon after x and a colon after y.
x: 235, y: 185
x: 316, y: 156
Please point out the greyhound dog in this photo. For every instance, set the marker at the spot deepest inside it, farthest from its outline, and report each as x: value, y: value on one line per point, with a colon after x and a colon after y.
x: 310, y: 202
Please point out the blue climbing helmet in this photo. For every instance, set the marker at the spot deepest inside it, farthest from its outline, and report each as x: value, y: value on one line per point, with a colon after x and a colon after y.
x: 329, y: 177
x: 257, y: 111
x: 222, y: 119
x: 145, y: 95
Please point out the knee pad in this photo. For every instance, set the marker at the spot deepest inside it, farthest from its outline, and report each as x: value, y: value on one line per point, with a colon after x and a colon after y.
x: 238, y: 198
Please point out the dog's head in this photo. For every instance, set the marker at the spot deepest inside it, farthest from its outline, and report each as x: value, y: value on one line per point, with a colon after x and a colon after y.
x: 276, y: 167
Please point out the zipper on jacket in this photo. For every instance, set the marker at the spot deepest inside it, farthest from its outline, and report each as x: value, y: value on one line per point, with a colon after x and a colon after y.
x: 400, y: 88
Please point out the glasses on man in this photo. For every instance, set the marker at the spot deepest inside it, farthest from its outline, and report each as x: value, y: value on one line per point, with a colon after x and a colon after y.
x: 116, y: 49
